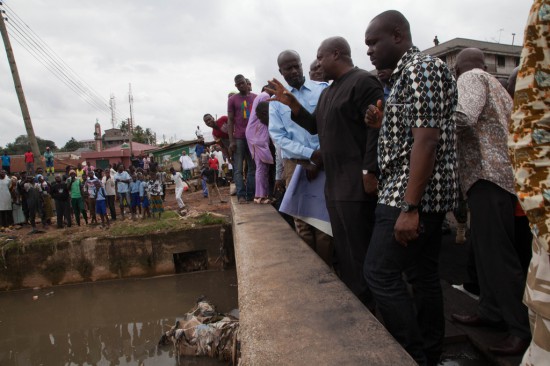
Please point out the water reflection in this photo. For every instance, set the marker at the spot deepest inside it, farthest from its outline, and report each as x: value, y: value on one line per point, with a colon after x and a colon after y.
x: 109, y: 323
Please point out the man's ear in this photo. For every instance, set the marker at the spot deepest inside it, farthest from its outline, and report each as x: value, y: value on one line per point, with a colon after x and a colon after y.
x: 397, y: 35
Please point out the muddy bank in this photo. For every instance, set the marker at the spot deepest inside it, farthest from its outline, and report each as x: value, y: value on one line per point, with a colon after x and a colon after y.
x: 47, y: 262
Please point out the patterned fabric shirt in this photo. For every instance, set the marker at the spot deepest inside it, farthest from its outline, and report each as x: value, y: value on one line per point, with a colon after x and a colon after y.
x: 530, y: 148
x: 529, y: 138
x: 423, y: 95
x: 482, y: 117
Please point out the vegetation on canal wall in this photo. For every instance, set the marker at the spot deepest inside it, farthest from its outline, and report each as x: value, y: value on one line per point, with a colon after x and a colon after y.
x: 125, y: 251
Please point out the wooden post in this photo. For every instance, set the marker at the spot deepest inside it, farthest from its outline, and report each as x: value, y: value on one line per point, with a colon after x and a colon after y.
x: 20, y: 95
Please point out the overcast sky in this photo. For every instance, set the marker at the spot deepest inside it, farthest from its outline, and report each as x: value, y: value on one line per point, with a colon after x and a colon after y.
x: 181, y: 56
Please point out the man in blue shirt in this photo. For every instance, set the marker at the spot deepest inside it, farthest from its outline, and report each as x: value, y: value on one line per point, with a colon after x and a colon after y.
x: 298, y: 144
x: 6, y: 162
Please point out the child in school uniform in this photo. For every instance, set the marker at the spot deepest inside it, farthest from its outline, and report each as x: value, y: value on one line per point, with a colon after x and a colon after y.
x: 101, y: 203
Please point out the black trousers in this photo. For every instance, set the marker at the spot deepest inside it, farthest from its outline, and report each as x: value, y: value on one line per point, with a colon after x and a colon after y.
x: 352, y: 224
x: 35, y: 208
x: 111, y: 204
x: 499, y: 271
x: 417, y: 322
x: 6, y: 218
x: 63, y: 211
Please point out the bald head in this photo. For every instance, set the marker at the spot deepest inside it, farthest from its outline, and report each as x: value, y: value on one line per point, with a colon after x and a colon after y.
x: 287, y: 55
x: 334, y: 56
x: 468, y: 59
x: 388, y: 38
x: 391, y: 20
x: 337, y: 44
x: 316, y: 72
x: 290, y: 66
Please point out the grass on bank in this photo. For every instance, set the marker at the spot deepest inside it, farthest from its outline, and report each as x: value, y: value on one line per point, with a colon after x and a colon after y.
x: 169, y: 221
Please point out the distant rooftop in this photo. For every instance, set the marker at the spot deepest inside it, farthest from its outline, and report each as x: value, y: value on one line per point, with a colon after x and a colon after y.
x: 486, y: 47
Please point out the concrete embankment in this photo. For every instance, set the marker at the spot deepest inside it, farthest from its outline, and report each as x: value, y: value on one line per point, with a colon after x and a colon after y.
x: 50, y: 262
x: 294, y: 310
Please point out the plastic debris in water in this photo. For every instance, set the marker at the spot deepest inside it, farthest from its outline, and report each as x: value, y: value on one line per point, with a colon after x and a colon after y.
x: 205, y: 332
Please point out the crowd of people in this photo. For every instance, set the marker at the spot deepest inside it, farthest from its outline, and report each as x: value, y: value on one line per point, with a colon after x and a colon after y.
x: 371, y: 167
x: 82, y: 192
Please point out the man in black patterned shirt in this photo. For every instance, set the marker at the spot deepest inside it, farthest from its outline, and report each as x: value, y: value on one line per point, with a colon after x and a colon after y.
x: 417, y: 186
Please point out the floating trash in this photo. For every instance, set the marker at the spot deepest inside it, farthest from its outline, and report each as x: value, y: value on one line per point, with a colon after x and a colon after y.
x: 205, y: 332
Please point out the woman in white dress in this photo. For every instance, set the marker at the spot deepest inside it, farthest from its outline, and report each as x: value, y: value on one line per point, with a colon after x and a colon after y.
x: 6, y: 218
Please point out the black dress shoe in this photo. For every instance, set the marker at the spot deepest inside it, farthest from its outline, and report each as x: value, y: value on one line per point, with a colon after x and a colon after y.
x: 510, y: 346
x: 474, y: 321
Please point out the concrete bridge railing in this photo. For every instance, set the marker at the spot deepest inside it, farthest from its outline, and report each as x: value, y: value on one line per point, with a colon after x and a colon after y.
x: 293, y: 309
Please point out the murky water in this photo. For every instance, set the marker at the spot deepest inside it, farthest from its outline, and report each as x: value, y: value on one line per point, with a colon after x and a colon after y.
x: 106, y: 323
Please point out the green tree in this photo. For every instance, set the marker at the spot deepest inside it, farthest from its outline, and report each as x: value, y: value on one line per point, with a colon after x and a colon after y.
x: 150, y: 136
x: 21, y: 145
x: 124, y: 126
x: 139, y: 134
x: 71, y: 145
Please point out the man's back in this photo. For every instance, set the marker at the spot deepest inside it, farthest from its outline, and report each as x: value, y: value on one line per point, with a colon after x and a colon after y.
x: 482, y: 119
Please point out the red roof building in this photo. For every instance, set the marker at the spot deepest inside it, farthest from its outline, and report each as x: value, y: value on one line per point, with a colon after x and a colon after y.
x: 117, y: 154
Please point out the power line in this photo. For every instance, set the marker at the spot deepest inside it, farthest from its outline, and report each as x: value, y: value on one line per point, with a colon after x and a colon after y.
x: 17, y: 39
x: 36, y: 52
x: 42, y: 48
x: 62, y: 63
x: 39, y: 51
x: 44, y: 54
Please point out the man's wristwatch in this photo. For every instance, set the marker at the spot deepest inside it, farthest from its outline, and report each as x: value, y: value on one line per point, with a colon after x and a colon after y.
x: 365, y: 172
x: 407, y: 207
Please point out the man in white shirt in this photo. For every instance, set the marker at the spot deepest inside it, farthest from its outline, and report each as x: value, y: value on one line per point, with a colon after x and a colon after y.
x: 178, y: 181
x: 109, y: 184
x: 186, y: 165
x: 122, y: 180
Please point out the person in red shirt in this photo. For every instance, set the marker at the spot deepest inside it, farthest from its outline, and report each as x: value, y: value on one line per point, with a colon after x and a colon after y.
x: 213, y: 163
x: 219, y: 131
x: 29, y: 162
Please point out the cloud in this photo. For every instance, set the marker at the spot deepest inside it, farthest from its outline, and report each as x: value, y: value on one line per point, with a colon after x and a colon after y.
x: 181, y: 57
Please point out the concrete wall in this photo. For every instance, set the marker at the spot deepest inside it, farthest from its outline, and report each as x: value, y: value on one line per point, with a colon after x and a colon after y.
x: 46, y: 263
x: 293, y: 308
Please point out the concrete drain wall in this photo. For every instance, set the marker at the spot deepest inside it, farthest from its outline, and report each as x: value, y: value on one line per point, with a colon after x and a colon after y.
x: 294, y: 310
x: 93, y: 259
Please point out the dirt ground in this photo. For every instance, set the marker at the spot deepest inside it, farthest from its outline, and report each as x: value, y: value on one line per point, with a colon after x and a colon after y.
x: 195, y: 203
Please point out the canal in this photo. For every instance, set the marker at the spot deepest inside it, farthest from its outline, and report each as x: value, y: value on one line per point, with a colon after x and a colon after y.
x: 115, y: 322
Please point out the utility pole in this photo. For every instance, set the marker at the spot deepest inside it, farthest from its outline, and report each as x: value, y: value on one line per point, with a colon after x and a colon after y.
x: 513, y: 38
x: 19, y: 90
x: 112, y: 104
x: 131, y: 119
